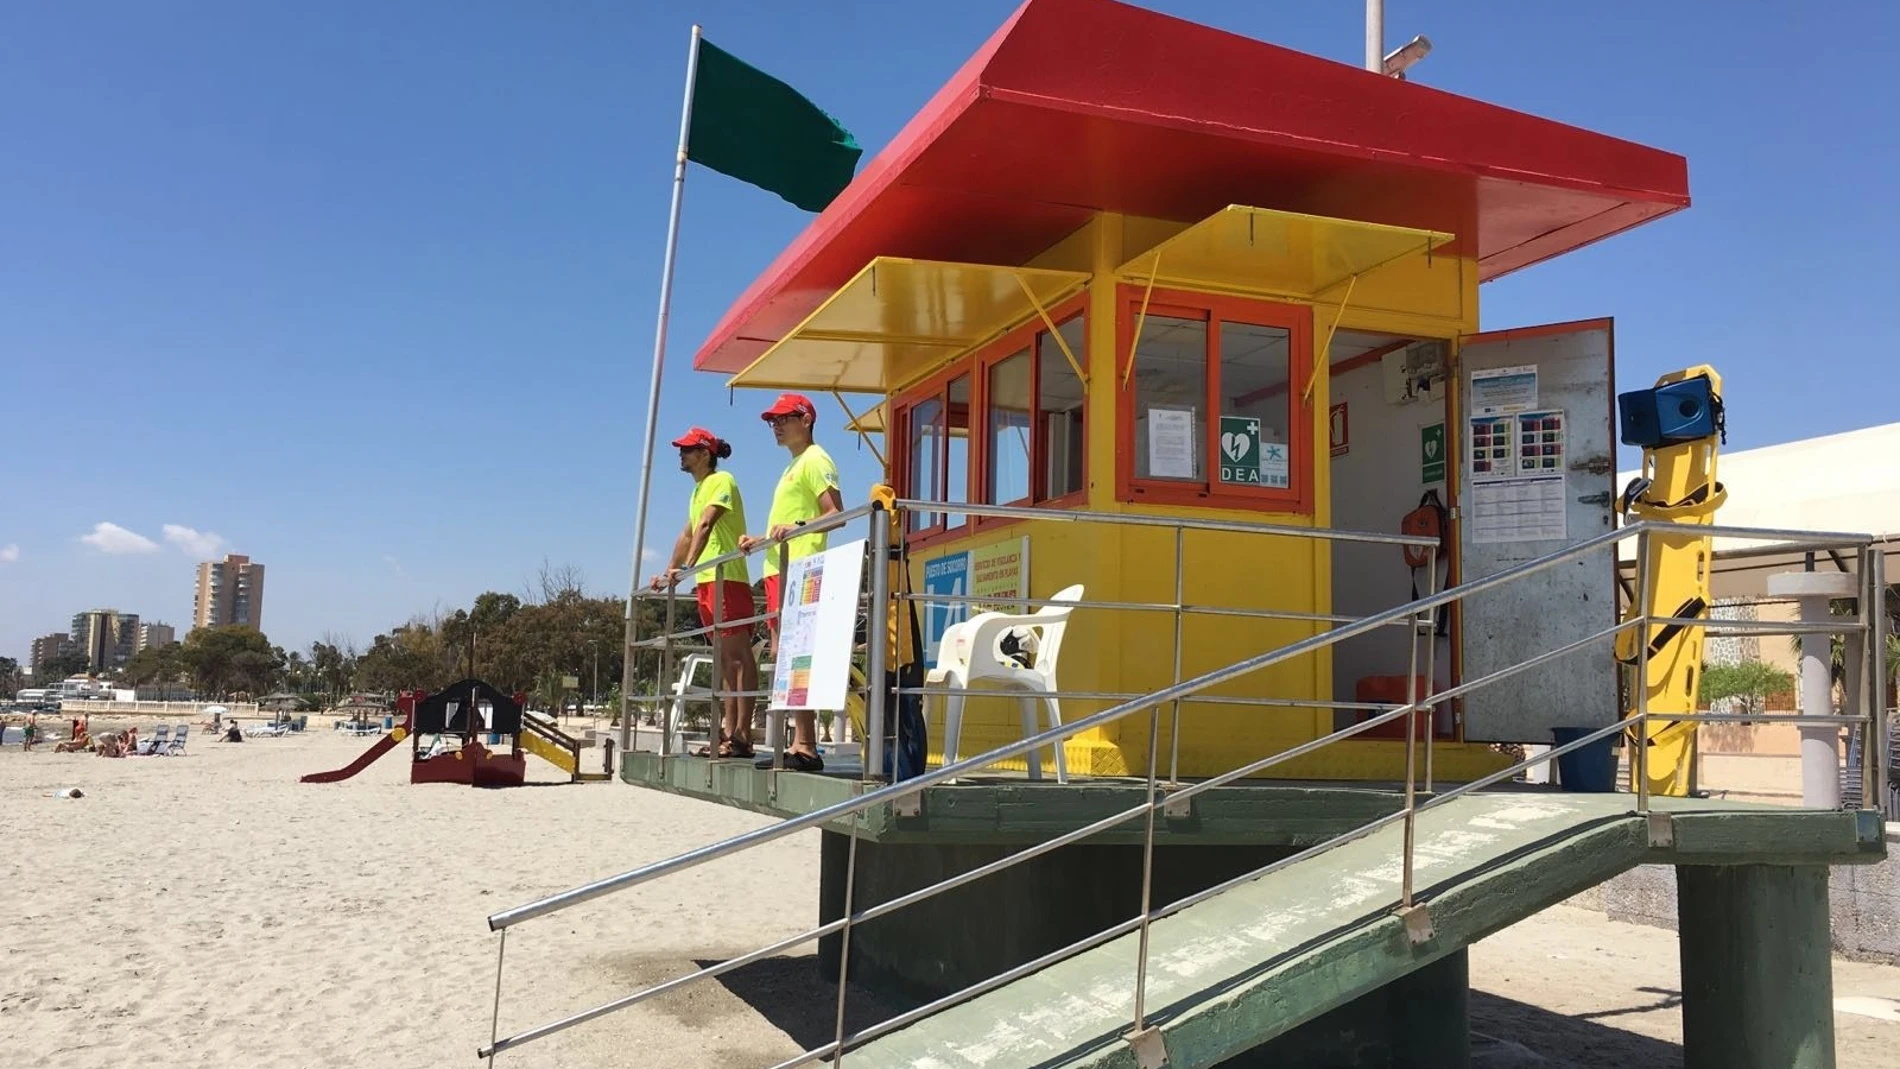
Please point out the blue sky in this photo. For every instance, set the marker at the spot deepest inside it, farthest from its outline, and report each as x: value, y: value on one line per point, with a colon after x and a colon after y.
x: 365, y: 290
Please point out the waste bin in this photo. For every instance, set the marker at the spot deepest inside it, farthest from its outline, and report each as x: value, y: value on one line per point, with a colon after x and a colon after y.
x: 389, y: 723
x: 1589, y: 769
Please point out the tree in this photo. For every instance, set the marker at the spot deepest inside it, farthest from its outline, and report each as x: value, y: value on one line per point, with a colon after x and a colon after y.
x: 332, y: 665
x: 1750, y: 681
x: 12, y: 680
x: 155, y: 664
x: 59, y: 666
x: 235, y: 658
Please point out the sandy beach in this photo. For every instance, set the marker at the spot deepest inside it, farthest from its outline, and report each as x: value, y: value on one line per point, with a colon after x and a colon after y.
x: 208, y: 910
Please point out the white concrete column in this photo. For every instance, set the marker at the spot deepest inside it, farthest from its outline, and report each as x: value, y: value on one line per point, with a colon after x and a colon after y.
x: 1820, y: 744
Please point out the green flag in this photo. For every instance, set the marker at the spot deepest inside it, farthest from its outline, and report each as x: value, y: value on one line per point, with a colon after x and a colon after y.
x: 757, y: 129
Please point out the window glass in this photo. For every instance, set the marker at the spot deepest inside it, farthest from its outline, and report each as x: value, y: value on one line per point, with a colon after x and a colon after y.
x: 1170, y: 392
x: 1059, y: 411
x: 1008, y: 438
x: 1254, y: 406
x: 956, y: 477
x: 926, y: 458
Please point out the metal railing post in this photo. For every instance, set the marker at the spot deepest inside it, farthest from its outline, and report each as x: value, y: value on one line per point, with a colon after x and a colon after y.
x: 1639, y: 765
x: 1874, y: 614
x: 1431, y: 660
x: 1180, y: 596
x: 1411, y: 766
x: 1147, y: 872
x: 670, y: 724
x: 877, y: 635
x: 775, y: 718
x: 844, y: 939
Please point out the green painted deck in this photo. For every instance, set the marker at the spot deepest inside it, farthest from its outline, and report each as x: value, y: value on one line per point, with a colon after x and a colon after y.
x: 1251, y: 963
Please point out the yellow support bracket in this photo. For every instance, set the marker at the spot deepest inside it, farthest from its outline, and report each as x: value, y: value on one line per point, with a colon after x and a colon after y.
x: 1141, y: 319
x: 1319, y: 358
x: 851, y: 420
x: 1061, y: 342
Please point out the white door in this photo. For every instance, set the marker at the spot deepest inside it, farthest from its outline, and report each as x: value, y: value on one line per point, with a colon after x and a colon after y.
x: 1537, y: 469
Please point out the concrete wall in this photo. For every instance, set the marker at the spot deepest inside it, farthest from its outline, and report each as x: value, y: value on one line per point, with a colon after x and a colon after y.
x: 1864, y: 902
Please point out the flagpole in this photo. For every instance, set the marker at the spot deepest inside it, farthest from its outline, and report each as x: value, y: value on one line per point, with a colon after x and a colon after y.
x: 653, y: 391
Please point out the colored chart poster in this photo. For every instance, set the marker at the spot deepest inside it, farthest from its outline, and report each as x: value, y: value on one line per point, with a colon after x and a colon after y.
x: 817, y: 621
x: 998, y: 573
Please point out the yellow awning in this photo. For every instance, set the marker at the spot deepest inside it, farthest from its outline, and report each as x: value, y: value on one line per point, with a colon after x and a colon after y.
x: 1258, y: 250
x: 898, y: 319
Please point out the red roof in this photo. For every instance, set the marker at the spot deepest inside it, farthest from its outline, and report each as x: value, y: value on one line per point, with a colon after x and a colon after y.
x: 1080, y: 106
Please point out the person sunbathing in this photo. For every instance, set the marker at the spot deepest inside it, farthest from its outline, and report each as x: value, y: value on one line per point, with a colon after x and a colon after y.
x: 77, y: 744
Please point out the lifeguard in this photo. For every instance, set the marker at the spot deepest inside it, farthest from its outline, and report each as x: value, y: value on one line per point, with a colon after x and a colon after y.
x: 807, y: 490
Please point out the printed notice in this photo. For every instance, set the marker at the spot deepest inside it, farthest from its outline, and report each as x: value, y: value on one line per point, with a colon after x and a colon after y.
x: 1504, y: 391
x: 1171, y: 443
x: 1275, y: 466
x: 1518, y: 510
x: 1540, y: 443
x: 817, y: 623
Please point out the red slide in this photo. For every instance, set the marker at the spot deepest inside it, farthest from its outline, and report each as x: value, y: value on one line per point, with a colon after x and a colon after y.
x: 382, y: 746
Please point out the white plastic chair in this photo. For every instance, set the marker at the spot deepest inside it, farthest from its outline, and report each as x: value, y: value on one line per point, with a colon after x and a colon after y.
x: 972, y: 651
x: 682, y: 691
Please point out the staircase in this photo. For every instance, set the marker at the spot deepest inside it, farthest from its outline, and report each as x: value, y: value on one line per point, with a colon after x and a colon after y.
x: 556, y: 747
x: 1250, y: 963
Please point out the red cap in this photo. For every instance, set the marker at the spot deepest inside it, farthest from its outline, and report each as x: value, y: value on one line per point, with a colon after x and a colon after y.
x: 791, y: 404
x: 698, y: 437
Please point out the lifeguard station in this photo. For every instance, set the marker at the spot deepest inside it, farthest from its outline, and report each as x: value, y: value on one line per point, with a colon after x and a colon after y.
x: 1191, y: 322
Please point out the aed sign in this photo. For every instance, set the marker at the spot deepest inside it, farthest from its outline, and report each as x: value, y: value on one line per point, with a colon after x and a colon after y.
x: 1240, y: 449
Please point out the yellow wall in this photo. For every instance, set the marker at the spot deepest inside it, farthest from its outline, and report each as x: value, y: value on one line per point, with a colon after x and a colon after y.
x: 1132, y: 652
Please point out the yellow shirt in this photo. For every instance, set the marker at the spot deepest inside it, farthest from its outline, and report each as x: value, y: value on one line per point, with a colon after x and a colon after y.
x: 807, y: 478
x: 720, y: 489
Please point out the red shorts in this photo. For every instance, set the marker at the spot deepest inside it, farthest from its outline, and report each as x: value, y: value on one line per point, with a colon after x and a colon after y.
x: 735, y: 604
x: 772, y: 602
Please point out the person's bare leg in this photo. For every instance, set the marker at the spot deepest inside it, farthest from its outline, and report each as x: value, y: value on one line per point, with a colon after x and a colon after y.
x: 748, y: 669
x: 805, y: 732
x: 730, y: 681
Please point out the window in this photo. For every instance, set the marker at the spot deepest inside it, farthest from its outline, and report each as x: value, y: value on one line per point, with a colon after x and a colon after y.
x: 1025, y: 402
x: 1007, y: 444
x: 1211, y: 407
x: 1060, y: 395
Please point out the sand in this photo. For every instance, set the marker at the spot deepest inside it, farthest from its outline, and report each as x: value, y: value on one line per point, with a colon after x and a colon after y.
x: 210, y: 911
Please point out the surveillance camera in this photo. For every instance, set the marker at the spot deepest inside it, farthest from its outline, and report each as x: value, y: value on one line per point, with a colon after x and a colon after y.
x: 1402, y: 57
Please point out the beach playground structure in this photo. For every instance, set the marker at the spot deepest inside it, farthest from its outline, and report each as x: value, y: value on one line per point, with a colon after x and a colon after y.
x: 455, y: 719
x: 1172, y: 339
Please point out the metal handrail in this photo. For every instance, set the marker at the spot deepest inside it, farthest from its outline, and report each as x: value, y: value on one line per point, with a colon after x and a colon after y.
x: 1414, y: 610
x: 893, y: 792
x: 1172, y: 523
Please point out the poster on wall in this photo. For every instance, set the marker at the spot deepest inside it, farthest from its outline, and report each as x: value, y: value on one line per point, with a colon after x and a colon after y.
x: 818, y: 617
x: 1518, y: 510
x: 997, y: 572
x: 1504, y: 391
x: 1171, y: 443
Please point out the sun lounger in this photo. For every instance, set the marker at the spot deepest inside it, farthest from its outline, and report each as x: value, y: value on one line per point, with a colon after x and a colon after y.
x: 178, y: 741
x: 161, y: 737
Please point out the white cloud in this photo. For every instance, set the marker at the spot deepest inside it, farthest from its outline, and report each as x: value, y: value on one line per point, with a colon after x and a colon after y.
x: 202, y: 544
x: 9, y: 553
x: 111, y: 538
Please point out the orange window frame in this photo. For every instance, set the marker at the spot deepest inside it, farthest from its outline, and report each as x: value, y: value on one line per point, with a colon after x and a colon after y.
x: 977, y: 365
x: 1297, y: 320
